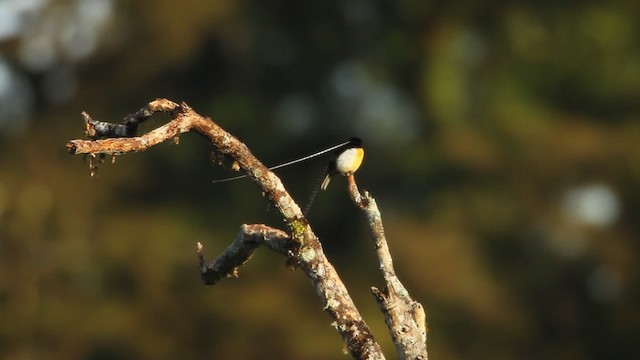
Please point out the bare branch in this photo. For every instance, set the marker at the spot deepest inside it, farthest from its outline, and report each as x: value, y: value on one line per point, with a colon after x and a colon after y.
x: 116, y: 144
x: 405, y: 317
x: 309, y: 255
x: 241, y: 250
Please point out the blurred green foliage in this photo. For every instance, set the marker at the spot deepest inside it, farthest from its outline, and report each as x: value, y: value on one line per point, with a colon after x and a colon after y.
x: 502, y: 146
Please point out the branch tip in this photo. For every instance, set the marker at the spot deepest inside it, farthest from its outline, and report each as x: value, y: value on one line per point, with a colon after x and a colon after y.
x: 71, y: 147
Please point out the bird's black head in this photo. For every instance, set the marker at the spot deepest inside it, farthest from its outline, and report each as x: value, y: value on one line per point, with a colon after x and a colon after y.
x: 355, y: 142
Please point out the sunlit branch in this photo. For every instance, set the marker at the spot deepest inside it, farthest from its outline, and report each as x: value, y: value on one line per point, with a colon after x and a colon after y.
x: 405, y: 317
x: 309, y: 255
x: 117, y: 139
x: 241, y: 250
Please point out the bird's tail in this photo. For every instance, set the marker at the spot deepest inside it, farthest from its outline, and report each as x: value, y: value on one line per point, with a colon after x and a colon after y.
x: 325, y: 182
x: 320, y: 184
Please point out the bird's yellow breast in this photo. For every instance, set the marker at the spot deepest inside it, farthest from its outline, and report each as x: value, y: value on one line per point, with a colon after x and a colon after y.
x: 350, y: 160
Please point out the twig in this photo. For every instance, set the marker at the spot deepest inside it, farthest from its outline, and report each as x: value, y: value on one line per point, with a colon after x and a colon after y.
x: 405, y: 317
x: 241, y: 250
x: 114, y: 137
x: 309, y: 255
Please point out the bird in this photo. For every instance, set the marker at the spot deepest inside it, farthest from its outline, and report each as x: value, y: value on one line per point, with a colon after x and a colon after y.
x: 344, y: 145
x: 345, y: 160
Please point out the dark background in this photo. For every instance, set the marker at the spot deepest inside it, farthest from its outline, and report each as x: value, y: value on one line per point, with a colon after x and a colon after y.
x: 502, y: 146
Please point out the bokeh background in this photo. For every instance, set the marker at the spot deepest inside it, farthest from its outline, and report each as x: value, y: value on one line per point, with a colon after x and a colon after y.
x: 503, y: 147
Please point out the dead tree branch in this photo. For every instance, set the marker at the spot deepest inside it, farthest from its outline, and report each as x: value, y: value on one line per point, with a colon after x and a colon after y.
x: 308, y: 254
x: 241, y: 250
x: 405, y: 317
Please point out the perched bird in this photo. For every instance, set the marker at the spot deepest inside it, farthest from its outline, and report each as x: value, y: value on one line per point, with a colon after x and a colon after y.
x: 339, y: 147
x: 345, y: 160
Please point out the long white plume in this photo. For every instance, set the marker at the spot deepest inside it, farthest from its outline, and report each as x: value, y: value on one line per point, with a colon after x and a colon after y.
x: 288, y: 162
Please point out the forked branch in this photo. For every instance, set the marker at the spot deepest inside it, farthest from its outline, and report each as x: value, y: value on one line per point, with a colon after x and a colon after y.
x: 307, y: 252
x: 405, y: 317
x: 241, y: 250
